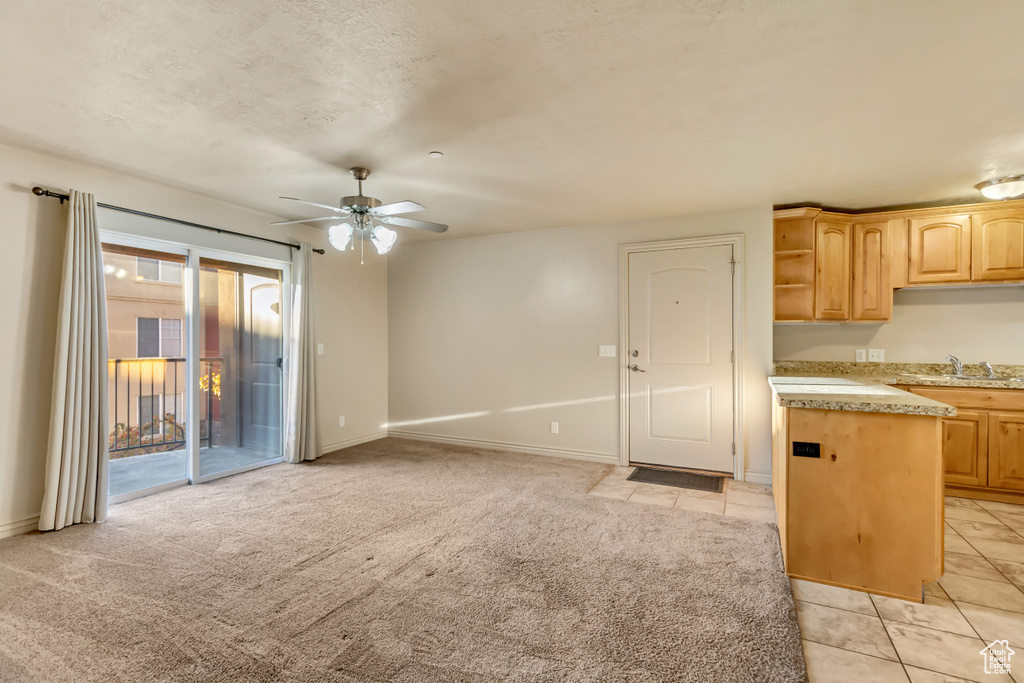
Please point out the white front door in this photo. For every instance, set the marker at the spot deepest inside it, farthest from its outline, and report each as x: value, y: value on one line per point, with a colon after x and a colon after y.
x: 680, y: 355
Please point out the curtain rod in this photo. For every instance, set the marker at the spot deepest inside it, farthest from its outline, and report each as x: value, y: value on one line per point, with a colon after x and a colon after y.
x: 40, y: 192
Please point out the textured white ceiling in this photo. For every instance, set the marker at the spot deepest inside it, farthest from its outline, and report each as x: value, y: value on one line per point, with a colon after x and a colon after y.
x: 553, y: 112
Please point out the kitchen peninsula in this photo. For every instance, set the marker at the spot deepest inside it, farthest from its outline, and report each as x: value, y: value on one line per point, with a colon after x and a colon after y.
x: 858, y: 482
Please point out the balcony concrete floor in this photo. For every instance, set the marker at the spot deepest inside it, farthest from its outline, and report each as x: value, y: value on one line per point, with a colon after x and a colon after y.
x: 151, y: 469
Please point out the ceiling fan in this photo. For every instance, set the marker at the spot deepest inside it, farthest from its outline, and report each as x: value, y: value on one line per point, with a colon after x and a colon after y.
x: 365, y: 218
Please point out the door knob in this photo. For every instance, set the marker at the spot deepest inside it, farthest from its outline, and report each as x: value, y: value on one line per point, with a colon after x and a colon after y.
x: 636, y: 368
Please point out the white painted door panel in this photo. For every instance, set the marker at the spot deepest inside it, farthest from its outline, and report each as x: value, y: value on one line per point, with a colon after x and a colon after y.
x: 681, y: 337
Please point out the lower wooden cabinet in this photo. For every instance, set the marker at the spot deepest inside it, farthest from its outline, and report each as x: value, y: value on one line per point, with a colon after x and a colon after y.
x: 1006, y: 451
x: 965, y: 448
x: 983, y: 446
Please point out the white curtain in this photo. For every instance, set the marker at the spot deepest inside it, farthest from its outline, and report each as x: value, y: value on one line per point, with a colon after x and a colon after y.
x: 302, y: 438
x: 76, y: 459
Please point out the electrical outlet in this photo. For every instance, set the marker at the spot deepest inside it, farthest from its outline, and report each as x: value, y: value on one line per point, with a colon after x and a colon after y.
x: 876, y: 355
x: 862, y: 355
x: 554, y: 427
x: 606, y: 351
x: 319, y: 349
x: 341, y: 421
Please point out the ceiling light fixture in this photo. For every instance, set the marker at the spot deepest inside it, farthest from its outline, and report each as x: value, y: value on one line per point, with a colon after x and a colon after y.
x: 1002, y: 188
x: 340, y: 236
x: 364, y: 218
x: 435, y: 155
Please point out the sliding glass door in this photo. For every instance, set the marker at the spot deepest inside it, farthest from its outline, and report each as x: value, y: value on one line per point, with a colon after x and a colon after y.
x: 146, y: 368
x: 196, y: 349
x: 240, y: 332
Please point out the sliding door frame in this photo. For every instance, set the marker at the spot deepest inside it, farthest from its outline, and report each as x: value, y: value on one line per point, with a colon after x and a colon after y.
x: 192, y: 343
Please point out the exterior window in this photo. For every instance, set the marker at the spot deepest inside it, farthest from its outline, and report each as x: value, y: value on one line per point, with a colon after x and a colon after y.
x: 158, y: 337
x: 153, y: 270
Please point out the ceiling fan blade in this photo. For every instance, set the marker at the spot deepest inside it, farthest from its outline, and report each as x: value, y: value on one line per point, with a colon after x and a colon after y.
x: 307, y: 220
x: 322, y: 206
x: 397, y: 207
x: 419, y: 225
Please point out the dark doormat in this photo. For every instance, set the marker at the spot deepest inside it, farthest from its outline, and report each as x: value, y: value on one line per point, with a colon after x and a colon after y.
x: 682, y: 480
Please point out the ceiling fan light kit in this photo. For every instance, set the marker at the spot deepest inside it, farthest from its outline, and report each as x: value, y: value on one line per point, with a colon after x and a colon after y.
x: 366, y: 218
x: 1002, y: 188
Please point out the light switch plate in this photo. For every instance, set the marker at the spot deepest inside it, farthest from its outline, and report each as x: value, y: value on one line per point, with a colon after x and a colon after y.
x: 554, y: 427
x: 876, y: 355
x: 606, y: 351
x: 862, y: 355
x: 319, y: 349
x: 341, y: 421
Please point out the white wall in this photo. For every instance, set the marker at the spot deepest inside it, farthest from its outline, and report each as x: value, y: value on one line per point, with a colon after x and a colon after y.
x: 351, y: 303
x: 976, y: 324
x: 492, y: 338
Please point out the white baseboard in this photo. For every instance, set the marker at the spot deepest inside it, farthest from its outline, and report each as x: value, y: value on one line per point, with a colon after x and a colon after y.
x: 603, y: 458
x: 337, y: 446
x: 20, y: 526
x: 758, y: 477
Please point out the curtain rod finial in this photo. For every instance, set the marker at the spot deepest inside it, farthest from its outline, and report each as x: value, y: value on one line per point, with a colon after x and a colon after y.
x: 38, y: 191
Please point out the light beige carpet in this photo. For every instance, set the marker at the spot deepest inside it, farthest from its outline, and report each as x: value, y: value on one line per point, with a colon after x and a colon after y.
x: 399, y: 561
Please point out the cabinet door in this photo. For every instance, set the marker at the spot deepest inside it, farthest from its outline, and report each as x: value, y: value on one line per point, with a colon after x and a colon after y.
x: 965, y: 448
x: 872, y: 281
x: 940, y: 249
x: 832, y: 271
x: 997, y: 252
x: 1006, y: 451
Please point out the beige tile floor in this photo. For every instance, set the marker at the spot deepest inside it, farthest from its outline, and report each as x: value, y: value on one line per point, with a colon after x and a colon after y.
x: 739, y: 499
x: 851, y: 636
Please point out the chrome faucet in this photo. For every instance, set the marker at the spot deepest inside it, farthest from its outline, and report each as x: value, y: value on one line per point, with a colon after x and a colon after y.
x: 988, y: 368
x: 958, y: 366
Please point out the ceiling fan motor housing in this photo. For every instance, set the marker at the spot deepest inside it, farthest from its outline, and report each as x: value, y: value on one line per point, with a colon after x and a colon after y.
x: 359, y: 203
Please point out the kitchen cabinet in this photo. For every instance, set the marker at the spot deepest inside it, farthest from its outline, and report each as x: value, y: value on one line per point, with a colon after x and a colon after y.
x: 832, y: 271
x: 983, y: 445
x: 871, y: 288
x: 997, y: 250
x: 940, y: 249
x: 965, y: 448
x: 794, y: 267
x: 859, y: 498
x: 1006, y: 451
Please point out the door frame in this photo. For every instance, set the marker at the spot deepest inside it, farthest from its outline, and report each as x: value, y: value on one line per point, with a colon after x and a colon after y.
x: 191, y: 341
x: 735, y: 240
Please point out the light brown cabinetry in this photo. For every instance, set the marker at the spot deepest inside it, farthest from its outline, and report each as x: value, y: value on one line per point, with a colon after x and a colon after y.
x: 871, y: 289
x: 865, y: 509
x: 965, y: 448
x: 940, y: 249
x: 884, y: 251
x: 832, y: 271
x: 1006, y: 451
x: 983, y: 445
x: 794, y: 268
x: 997, y: 250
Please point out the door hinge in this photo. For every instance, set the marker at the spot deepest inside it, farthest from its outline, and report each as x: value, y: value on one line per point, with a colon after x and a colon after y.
x: 734, y: 358
x: 734, y: 448
x: 732, y: 265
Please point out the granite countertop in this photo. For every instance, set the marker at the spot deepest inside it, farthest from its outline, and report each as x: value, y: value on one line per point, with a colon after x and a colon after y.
x: 901, y: 374
x: 846, y: 393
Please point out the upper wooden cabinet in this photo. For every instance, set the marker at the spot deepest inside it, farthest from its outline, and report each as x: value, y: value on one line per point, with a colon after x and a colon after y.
x: 997, y: 250
x: 940, y: 249
x: 871, y: 289
x: 841, y: 267
x: 832, y: 271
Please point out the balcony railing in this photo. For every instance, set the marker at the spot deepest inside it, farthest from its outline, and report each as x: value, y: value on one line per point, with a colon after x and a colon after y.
x: 154, y: 421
